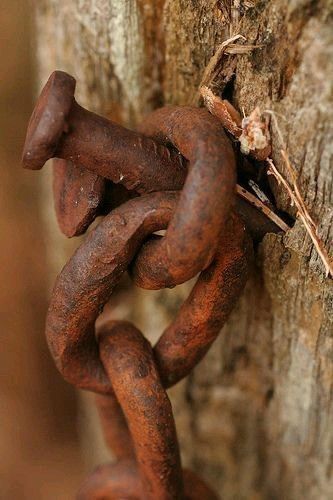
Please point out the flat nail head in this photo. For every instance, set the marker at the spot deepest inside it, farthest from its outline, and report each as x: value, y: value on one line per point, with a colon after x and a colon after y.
x: 48, y: 120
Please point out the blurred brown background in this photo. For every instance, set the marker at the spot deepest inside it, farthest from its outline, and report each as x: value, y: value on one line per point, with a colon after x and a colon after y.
x: 39, y: 446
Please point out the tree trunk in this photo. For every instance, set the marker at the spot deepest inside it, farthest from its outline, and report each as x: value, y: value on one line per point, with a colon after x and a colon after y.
x: 255, y: 417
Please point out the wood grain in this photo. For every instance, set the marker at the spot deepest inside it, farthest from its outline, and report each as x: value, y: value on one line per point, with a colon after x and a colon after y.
x: 256, y: 416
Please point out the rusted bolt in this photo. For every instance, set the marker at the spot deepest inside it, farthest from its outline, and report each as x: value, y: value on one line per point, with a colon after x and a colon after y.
x: 60, y: 127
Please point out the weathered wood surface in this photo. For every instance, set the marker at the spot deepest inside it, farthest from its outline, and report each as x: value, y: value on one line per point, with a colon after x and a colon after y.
x: 255, y: 418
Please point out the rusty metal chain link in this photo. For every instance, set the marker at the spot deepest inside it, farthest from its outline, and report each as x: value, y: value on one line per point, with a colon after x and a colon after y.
x: 181, y: 168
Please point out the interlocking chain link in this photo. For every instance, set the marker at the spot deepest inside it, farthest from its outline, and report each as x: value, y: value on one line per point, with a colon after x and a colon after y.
x: 204, y: 234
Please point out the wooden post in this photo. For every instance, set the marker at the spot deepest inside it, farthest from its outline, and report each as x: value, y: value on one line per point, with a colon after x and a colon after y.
x: 255, y: 418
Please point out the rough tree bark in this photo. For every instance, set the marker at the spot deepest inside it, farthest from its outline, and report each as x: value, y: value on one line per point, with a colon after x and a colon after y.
x: 255, y: 418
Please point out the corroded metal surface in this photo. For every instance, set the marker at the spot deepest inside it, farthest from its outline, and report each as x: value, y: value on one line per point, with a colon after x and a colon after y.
x: 205, y: 202
x: 204, y: 234
x: 122, y: 481
x: 85, y: 285
x: 60, y: 127
x: 78, y: 194
x: 130, y: 365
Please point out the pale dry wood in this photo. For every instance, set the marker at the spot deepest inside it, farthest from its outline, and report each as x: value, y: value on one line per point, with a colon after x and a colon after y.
x: 253, y: 200
x: 245, y: 131
x: 211, y: 70
x: 303, y: 213
x: 251, y: 131
x: 222, y: 109
x: 255, y: 417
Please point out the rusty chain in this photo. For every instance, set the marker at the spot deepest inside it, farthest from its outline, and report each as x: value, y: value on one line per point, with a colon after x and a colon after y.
x: 179, y: 170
